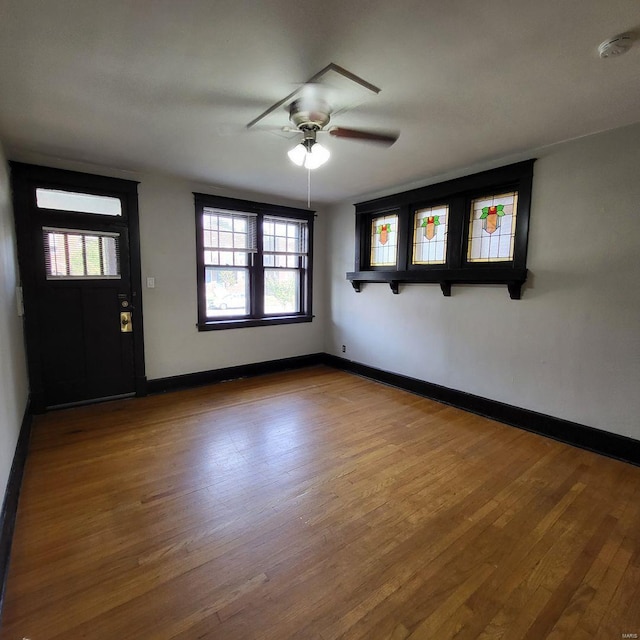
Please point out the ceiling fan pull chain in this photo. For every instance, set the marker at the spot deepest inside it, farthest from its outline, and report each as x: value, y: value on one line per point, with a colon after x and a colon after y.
x: 308, y: 188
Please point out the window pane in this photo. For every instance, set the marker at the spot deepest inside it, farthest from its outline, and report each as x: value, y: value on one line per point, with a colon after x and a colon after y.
x: 384, y: 241
x: 225, y: 223
x: 78, y: 202
x: 430, y: 235
x: 76, y: 257
x: 92, y: 250
x: 492, y: 228
x: 110, y: 257
x: 281, y: 291
x: 226, y: 257
x: 55, y: 249
x: 227, y: 292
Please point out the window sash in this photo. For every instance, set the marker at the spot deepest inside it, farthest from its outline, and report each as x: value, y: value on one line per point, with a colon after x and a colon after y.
x: 228, y: 295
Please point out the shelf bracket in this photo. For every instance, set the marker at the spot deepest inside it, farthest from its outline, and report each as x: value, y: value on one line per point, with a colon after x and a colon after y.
x: 356, y: 285
x: 394, y: 284
x: 446, y: 289
x: 515, y: 290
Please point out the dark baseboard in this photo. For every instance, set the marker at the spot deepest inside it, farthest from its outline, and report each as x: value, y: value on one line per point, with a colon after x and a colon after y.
x: 603, y: 442
x: 11, y: 497
x: 188, y: 380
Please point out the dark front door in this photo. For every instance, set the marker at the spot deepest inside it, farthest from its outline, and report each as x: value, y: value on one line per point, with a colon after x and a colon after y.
x: 81, y: 281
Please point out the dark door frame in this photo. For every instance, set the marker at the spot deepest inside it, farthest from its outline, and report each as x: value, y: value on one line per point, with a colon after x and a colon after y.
x: 25, y: 179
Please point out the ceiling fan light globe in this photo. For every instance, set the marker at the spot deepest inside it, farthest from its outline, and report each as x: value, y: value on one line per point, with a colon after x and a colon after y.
x: 297, y: 155
x: 316, y: 157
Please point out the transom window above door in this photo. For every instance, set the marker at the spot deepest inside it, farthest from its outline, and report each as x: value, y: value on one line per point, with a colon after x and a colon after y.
x: 58, y: 200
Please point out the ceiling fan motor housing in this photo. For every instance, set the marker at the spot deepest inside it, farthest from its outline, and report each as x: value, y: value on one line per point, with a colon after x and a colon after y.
x: 306, y: 114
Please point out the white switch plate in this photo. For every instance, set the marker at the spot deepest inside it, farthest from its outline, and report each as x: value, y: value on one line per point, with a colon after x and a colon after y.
x: 151, y: 283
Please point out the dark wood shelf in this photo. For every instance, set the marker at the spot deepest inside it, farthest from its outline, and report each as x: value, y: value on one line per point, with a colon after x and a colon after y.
x: 512, y: 278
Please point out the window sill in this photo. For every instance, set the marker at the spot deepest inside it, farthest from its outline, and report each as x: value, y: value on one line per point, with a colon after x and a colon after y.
x: 218, y: 325
x: 513, y: 278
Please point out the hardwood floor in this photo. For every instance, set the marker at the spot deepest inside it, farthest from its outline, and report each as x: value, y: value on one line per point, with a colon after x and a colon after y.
x: 316, y: 505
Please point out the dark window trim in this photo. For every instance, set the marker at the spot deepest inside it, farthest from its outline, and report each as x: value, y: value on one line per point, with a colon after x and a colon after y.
x: 256, y: 270
x: 457, y: 194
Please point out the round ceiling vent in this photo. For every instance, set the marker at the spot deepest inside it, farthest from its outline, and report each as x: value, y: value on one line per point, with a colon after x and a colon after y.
x: 616, y: 46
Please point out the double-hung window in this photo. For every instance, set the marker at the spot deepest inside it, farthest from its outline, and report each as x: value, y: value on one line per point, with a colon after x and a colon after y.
x: 254, y: 263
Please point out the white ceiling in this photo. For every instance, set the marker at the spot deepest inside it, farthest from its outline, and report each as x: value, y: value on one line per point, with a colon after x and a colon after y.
x: 169, y: 85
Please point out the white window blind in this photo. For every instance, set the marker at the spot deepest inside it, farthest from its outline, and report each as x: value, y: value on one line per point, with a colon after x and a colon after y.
x: 228, y: 237
x: 285, y: 241
x: 73, y: 254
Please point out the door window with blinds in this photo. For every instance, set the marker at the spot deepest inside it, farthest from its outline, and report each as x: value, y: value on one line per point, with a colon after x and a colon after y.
x: 73, y: 254
x: 254, y: 263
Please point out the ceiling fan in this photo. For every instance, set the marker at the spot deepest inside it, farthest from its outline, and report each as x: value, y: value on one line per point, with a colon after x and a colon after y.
x: 311, y: 115
x: 333, y: 90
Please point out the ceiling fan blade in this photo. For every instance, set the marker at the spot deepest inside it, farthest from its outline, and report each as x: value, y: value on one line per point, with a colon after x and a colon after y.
x: 381, y: 137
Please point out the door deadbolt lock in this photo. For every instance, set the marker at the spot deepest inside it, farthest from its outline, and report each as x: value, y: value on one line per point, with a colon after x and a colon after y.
x: 125, y: 322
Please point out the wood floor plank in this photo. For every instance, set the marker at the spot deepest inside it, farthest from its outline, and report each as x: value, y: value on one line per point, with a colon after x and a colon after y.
x: 316, y: 505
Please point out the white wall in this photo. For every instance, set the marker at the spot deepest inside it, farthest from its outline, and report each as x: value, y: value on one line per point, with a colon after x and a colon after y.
x: 571, y: 347
x: 173, y: 345
x: 13, y: 376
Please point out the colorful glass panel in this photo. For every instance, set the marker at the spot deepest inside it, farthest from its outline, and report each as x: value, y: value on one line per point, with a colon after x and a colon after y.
x: 430, y: 235
x: 384, y: 241
x: 492, y: 228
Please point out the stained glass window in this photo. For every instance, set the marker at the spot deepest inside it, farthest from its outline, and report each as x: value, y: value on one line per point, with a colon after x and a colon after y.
x: 384, y: 241
x: 430, y: 235
x: 492, y: 228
